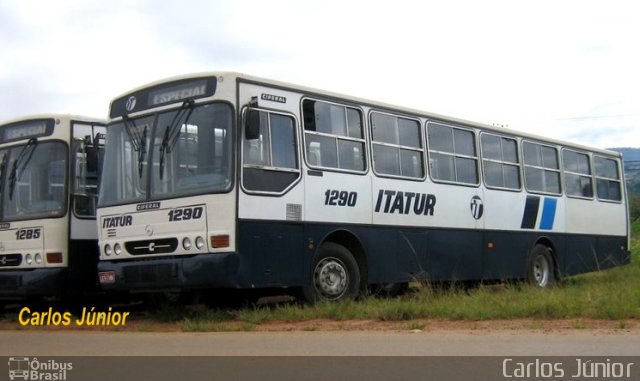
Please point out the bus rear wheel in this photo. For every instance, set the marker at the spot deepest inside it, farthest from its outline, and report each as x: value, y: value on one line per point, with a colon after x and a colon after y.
x: 540, y: 269
x: 335, y: 275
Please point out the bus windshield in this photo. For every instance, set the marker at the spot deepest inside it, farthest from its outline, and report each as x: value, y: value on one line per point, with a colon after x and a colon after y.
x: 34, y: 180
x: 177, y: 153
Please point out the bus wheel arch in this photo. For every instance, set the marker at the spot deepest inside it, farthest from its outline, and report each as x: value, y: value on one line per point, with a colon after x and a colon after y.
x: 338, y: 270
x: 542, y: 264
x: 351, y: 242
x: 549, y: 243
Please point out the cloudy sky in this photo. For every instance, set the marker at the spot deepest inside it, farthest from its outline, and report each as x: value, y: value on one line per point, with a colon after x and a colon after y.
x: 565, y: 69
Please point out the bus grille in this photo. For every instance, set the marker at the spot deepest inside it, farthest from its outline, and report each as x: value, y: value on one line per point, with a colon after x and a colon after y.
x: 150, y: 273
x: 10, y: 282
x: 10, y: 260
x: 152, y: 246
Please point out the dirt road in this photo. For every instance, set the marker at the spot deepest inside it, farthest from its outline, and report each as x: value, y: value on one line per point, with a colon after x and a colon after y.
x: 334, y: 343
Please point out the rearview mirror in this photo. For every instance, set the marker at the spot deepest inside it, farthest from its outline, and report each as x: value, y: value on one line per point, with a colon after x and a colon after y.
x: 252, y: 125
x: 92, y: 157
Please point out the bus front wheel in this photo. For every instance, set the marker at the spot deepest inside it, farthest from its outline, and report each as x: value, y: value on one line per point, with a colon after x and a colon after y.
x: 540, y: 269
x: 335, y: 275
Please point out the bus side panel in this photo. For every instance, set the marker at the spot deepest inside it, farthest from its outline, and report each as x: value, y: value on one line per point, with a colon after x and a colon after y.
x: 506, y: 259
x: 401, y: 255
x: 271, y: 254
x: 454, y: 255
x: 412, y: 255
x: 585, y: 253
x: 612, y: 252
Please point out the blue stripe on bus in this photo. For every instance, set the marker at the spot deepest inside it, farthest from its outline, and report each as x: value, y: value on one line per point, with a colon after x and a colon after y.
x: 548, y: 213
x: 530, y: 212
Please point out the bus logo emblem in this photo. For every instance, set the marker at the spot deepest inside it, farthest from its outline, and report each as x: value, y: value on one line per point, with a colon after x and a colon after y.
x: 477, y: 209
x: 149, y: 230
x: 131, y: 103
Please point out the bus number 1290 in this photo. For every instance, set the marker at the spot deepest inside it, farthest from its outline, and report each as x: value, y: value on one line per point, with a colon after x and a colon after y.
x: 184, y: 214
x: 340, y: 198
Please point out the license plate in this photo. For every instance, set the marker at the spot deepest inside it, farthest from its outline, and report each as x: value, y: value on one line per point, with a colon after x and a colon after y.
x: 107, y: 277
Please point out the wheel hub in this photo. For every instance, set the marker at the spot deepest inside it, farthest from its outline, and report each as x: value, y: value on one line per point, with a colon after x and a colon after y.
x: 331, y: 278
x: 541, y: 271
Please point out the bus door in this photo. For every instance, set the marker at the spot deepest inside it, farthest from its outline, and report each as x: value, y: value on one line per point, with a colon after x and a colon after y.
x: 87, y: 152
x: 270, y: 206
x: 504, y: 205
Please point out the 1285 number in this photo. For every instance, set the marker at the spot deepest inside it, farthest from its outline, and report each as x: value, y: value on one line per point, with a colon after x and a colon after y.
x: 28, y: 234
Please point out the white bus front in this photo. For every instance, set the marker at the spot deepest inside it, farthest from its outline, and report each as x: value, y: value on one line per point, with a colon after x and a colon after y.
x: 167, y: 207
x: 48, y: 184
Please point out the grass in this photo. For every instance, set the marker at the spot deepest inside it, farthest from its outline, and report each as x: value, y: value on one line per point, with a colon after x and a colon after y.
x: 610, y: 295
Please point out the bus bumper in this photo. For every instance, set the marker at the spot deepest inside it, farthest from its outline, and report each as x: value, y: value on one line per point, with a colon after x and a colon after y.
x: 201, y: 271
x: 18, y: 284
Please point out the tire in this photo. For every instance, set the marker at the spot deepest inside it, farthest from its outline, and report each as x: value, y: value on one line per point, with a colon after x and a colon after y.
x: 335, y: 275
x: 541, y: 267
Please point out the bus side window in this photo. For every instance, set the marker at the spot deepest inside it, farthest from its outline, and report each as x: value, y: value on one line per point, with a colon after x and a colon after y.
x: 452, y: 154
x: 577, y: 174
x: 541, y: 168
x: 608, y: 183
x: 500, y: 162
x: 397, y: 146
x: 334, y: 136
x: 270, y: 155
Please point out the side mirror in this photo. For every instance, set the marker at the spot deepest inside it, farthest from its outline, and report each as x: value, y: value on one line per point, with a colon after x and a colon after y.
x: 252, y: 125
x: 92, y: 154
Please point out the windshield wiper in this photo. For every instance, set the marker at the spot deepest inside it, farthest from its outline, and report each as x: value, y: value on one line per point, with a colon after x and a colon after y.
x: 24, y: 156
x: 3, y: 168
x: 138, y: 141
x: 172, y: 131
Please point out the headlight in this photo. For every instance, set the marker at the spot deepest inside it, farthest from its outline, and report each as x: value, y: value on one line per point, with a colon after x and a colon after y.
x: 186, y: 244
x: 38, y: 258
x: 28, y: 259
x: 107, y: 250
x: 117, y: 249
x: 199, y: 243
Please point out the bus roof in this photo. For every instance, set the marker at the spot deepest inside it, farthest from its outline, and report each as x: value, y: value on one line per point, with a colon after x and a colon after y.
x: 236, y: 76
x: 25, y: 118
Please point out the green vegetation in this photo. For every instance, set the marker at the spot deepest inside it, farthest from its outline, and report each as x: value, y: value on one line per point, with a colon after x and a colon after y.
x: 634, y: 207
x: 611, y: 295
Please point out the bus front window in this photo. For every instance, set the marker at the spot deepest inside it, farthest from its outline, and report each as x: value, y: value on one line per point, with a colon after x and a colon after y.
x: 192, y: 154
x: 125, y: 161
x: 35, y: 180
x: 185, y: 151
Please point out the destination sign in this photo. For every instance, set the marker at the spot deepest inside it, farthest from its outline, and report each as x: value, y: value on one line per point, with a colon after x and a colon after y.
x: 178, y: 93
x: 164, y: 94
x: 26, y: 130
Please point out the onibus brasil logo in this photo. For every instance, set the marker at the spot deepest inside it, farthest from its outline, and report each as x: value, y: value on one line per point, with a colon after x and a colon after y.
x: 32, y: 369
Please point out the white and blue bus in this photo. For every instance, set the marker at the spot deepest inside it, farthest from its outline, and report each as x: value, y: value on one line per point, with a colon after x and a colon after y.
x: 224, y: 180
x: 48, y: 196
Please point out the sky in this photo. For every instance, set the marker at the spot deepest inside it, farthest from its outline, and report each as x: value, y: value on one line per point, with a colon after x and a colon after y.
x: 568, y: 70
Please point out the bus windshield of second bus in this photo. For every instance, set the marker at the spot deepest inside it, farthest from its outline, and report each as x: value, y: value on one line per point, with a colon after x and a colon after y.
x: 179, y: 152
x: 49, y: 175
x: 34, y: 185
